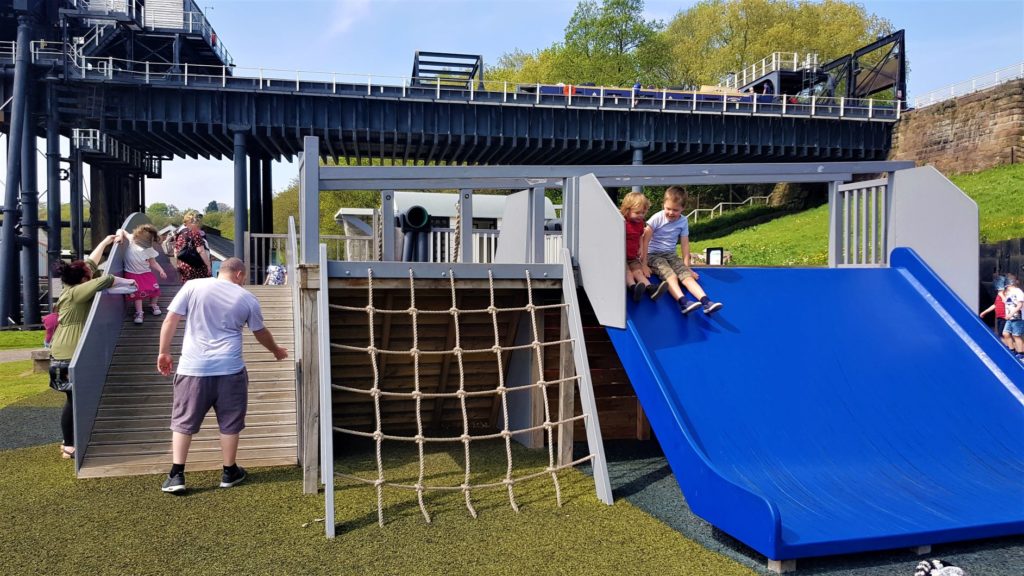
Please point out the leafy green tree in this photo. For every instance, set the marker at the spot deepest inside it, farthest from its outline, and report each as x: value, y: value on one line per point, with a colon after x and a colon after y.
x: 212, y: 207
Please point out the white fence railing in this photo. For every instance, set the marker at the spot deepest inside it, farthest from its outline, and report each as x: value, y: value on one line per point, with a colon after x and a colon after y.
x: 860, y: 220
x: 776, y: 61
x: 719, y: 208
x: 975, y: 84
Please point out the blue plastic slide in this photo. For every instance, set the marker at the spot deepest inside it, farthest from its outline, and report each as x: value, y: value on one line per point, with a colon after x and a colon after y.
x: 834, y: 411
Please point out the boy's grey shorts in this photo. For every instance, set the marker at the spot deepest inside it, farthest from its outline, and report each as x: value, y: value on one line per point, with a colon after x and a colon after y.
x: 228, y: 395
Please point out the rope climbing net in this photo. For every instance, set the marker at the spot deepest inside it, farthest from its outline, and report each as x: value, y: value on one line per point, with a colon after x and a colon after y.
x: 417, y: 395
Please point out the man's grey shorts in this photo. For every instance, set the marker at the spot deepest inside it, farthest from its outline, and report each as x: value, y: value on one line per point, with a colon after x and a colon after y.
x: 228, y: 395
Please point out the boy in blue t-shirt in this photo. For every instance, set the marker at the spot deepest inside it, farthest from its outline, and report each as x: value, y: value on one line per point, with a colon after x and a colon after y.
x: 669, y: 229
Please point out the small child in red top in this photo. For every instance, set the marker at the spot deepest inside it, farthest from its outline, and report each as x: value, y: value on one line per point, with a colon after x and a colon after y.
x: 999, y: 307
x: 634, y: 209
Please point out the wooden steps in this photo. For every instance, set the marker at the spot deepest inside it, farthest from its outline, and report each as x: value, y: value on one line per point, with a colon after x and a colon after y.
x: 131, y: 433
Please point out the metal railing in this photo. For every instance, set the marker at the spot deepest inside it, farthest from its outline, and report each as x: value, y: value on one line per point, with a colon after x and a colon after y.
x: 263, y: 249
x: 776, y: 61
x: 975, y: 84
x: 860, y: 220
x: 488, y: 92
x: 195, y: 22
x: 95, y: 141
x: 720, y: 207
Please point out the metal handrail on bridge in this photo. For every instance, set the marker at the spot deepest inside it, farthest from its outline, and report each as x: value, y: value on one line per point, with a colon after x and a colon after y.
x: 720, y: 207
x: 487, y: 92
x: 1001, y: 76
x: 789, y: 61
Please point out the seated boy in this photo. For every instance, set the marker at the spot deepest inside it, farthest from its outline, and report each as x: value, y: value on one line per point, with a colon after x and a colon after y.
x: 668, y: 229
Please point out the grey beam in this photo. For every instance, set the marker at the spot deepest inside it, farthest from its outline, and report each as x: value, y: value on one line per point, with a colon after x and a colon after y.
x: 241, y: 213
x: 309, y: 200
x: 440, y: 270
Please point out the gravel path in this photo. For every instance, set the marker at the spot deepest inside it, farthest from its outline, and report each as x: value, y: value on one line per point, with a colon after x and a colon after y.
x: 15, y: 355
x: 640, y: 474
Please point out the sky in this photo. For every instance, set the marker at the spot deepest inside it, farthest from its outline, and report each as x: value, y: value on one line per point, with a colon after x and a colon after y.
x: 948, y: 41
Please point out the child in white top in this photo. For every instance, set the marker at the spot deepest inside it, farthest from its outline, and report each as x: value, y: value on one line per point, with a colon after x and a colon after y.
x: 139, y: 265
x: 669, y: 229
x: 1014, y: 298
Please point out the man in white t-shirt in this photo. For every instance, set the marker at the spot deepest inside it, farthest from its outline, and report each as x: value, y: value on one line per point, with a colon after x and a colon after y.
x: 211, y: 372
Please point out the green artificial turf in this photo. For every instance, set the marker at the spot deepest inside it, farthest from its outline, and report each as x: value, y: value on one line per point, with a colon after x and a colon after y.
x: 59, y: 525
x: 18, y: 383
x: 17, y: 339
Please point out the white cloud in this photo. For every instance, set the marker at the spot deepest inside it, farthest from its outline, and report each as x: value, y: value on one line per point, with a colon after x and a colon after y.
x: 345, y: 15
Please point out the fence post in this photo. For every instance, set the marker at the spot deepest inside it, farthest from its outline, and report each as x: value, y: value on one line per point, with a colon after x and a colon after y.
x: 835, y: 224
x: 466, y: 226
x: 504, y: 92
x: 186, y: 73
x: 223, y: 76
x: 538, y: 94
x: 871, y: 102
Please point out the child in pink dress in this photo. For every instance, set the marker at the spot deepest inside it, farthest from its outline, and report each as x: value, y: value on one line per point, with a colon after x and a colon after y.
x: 139, y: 265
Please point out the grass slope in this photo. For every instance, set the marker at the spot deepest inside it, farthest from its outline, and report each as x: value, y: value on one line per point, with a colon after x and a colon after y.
x: 802, y: 239
x: 15, y: 339
x: 267, y: 526
x: 999, y: 193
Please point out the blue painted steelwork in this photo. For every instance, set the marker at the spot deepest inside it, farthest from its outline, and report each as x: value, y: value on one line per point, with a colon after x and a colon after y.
x: 854, y: 409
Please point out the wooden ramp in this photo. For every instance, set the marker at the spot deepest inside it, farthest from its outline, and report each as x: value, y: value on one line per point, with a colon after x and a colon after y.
x: 132, y: 436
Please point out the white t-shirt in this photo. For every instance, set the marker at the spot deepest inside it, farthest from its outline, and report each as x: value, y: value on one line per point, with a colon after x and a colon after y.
x: 1014, y: 298
x: 665, y: 235
x: 136, y: 259
x: 215, y: 311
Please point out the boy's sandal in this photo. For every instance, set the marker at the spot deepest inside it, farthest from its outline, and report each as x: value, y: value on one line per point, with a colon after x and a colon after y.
x: 67, y: 452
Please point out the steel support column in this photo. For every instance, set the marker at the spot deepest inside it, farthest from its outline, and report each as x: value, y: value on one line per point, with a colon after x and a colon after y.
x: 8, y: 238
x: 77, y: 205
x: 53, y: 219
x: 29, y: 217
x: 268, y: 197
x: 638, y: 160
x: 241, y: 210
x: 255, y: 196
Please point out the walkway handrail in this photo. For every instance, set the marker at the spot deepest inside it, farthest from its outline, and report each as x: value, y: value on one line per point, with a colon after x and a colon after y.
x: 104, y: 69
x: 1001, y: 76
x: 91, y: 362
x: 292, y: 263
x: 720, y: 207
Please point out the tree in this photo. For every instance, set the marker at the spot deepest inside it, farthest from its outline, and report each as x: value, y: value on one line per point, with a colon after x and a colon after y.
x: 715, y: 37
x: 212, y: 207
x: 161, y: 214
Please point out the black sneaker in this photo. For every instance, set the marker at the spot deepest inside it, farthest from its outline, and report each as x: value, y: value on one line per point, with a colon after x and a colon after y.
x: 229, y: 479
x: 711, y: 307
x: 638, y: 292
x: 174, y: 484
x: 659, y: 290
x: 688, y: 306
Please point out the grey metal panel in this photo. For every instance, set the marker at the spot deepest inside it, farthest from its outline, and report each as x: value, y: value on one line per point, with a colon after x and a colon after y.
x: 834, y: 227
x: 387, y: 226
x: 466, y: 223
x: 935, y: 218
x: 512, y: 246
x: 553, y: 182
x: 595, y: 442
x: 91, y: 362
x: 602, y: 253
x: 309, y: 199
x: 437, y: 270
x: 519, y: 374
x: 292, y: 256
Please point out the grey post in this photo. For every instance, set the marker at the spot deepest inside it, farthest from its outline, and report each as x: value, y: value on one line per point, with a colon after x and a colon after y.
x: 77, y: 204
x: 638, y: 160
x: 29, y: 219
x: 268, y: 196
x: 53, y: 223
x: 466, y: 224
x: 835, y: 225
x: 255, y: 197
x: 387, y: 225
x: 326, y: 416
x: 309, y: 200
x: 535, y: 226
x: 241, y: 212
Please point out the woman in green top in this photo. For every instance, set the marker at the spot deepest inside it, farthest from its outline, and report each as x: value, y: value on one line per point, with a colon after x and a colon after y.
x: 81, y: 279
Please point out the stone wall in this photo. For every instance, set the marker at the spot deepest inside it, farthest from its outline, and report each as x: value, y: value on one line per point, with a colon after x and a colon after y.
x: 965, y: 134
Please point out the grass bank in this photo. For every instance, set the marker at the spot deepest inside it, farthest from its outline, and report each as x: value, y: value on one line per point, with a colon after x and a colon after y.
x: 17, y: 339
